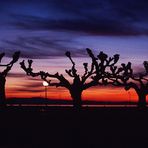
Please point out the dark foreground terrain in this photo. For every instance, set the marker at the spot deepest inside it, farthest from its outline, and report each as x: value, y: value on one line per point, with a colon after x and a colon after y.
x: 43, y: 127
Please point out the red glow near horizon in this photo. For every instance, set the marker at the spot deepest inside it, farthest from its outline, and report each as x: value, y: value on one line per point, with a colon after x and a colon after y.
x: 93, y: 94
x: 28, y: 87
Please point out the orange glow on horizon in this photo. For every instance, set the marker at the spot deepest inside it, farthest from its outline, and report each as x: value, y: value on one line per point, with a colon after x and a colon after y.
x: 92, y: 94
x: 28, y: 87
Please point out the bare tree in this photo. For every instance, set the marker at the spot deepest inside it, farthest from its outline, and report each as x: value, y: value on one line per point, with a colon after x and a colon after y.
x: 4, y: 73
x: 124, y: 76
x: 80, y: 83
x: 102, y: 67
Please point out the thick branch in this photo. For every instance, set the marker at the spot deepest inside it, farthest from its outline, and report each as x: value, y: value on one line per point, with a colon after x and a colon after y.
x: 44, y: 76
x: 94, y: 59
x: 90, y: 84
x: 93, y: 69
x: 72, y: 72
x: 29, y: 70
x: 10, y: 64
x: 88, y: 73
x: 131, y: 85
x: 1, y: 56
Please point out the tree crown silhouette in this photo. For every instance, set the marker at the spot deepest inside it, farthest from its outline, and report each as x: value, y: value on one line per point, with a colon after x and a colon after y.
x: 4, y: 73
x: 124, y: 76
x: 95, y: 74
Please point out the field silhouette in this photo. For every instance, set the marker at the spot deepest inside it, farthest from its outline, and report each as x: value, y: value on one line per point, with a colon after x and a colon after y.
x: 28, y: 127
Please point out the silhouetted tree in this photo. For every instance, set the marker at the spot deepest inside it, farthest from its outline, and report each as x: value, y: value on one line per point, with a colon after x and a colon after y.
x: 102, y: 67
x: 80, y: 83
x: 3, y: 74
x: 124, y: 76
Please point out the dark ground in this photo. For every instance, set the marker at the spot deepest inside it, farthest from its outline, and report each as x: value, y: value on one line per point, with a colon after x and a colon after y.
x: 35, y: 127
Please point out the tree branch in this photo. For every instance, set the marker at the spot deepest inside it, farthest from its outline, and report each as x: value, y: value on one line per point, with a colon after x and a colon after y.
x: 72, y: 72
x: 44, y: 75
x: 10, y: 64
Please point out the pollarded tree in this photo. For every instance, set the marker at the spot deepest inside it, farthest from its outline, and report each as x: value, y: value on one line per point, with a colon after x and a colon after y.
x: 124, y: 76
x: 80, y: 82
x: 102, y: 67
x: 4, y: 73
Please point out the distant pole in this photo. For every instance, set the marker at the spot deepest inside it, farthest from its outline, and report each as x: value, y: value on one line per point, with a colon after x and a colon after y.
x: 45, y: 84
x: 129, y: 95
x: 45, y: 92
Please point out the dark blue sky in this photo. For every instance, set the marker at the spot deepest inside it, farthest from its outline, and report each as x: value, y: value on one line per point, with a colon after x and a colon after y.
x: 43, y: 29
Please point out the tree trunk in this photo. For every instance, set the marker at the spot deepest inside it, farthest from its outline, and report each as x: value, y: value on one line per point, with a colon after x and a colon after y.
x: 77, y: 100
x: 142, y: 100
x: 2, y: 91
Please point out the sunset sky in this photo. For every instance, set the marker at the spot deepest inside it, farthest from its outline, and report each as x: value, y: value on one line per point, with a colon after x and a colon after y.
x: 44, y: 29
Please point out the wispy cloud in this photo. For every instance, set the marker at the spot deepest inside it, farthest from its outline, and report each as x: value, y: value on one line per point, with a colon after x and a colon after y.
x: 16, y: 75
x: 64, y: 21
x: 92, y: 17
x: 34, y: 86
x: 40, y: 47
